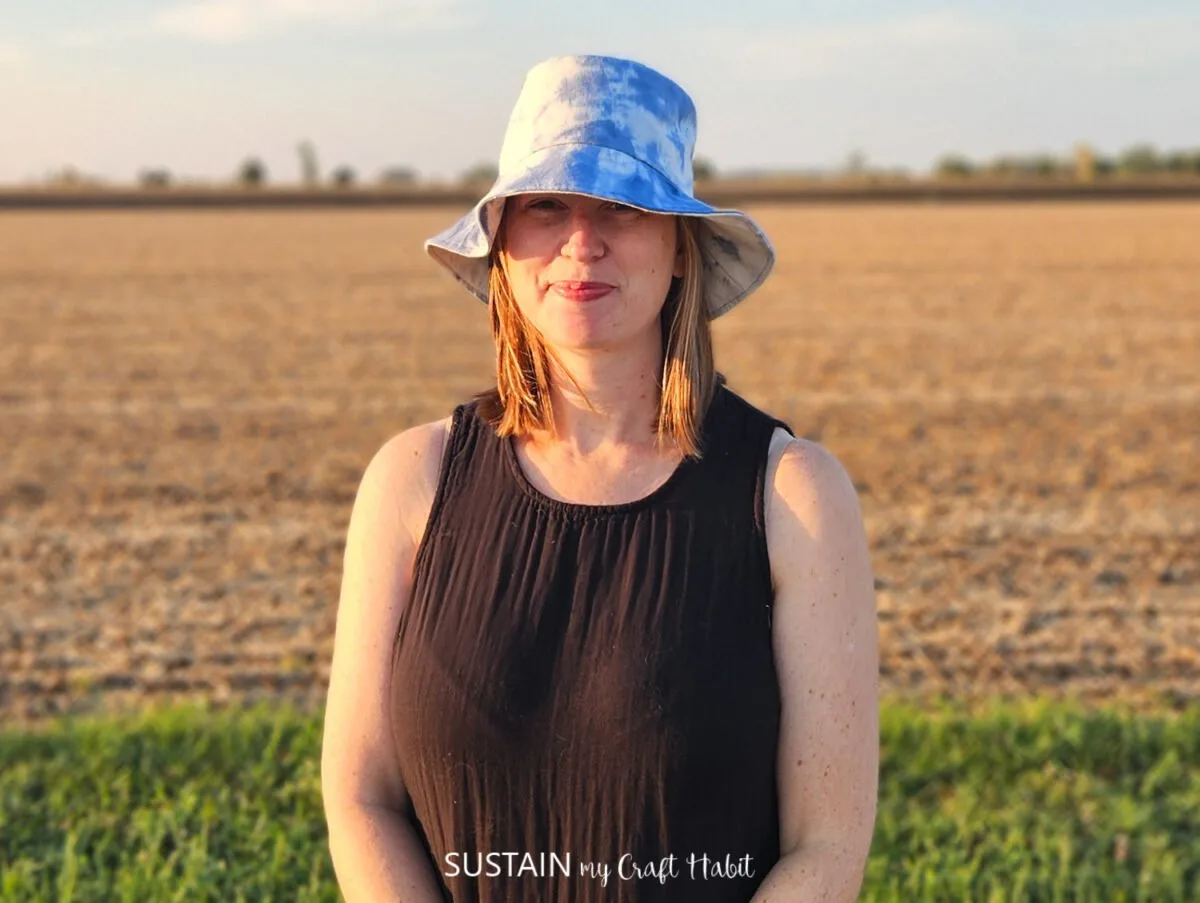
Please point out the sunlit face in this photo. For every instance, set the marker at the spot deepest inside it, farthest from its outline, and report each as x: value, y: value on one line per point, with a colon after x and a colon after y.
x: 589, y: 273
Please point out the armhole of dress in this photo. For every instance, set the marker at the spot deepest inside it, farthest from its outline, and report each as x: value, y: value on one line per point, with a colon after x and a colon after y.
x: 760, y: 501
x: 449, y: 454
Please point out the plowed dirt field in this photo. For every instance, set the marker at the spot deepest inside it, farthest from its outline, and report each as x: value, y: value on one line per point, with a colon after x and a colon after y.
x: 188, y: 399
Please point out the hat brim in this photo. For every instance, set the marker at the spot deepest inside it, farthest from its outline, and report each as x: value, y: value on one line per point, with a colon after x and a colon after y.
x: 737, y: 256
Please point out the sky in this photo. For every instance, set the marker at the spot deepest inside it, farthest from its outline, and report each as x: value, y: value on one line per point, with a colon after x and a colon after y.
x: 197, y: 86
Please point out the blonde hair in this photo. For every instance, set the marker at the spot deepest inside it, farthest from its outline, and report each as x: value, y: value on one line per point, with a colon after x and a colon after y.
x: 520, y: 402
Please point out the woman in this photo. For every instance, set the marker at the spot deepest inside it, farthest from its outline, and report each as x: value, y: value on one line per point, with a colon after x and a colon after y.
x: 608, y: 631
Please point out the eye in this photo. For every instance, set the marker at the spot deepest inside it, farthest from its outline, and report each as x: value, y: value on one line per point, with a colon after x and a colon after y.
x: 614, y: 207
x: 543, y: 204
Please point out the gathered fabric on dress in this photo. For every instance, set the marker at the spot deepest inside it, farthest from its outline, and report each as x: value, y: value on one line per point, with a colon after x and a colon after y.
x: 590, y: 686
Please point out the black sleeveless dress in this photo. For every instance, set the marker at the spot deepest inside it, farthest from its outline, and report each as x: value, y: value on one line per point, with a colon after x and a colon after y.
x: 584, y: 697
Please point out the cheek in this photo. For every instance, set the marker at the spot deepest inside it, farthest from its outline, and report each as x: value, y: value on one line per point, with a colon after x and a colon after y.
x: 665, y: 260
x: 528, y: 238
x: 528, y: 253
x: 522, y: 280
x: 658, y: 263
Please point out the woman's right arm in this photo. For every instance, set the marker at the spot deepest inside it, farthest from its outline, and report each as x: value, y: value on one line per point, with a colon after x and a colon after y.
x: 377, y: 854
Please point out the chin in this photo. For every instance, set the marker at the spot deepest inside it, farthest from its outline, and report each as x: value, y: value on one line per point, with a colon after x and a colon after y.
x: 583, y: 340
x: 585, y: 333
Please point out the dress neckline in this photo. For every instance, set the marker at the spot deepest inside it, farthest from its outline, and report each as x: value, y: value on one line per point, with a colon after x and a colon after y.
x: 581, y: 509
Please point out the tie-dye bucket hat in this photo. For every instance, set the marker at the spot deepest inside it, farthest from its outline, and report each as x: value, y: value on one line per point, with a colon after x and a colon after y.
x: 617, y: 130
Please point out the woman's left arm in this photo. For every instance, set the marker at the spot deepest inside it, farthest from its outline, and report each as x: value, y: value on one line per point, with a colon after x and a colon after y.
x: 825, y: 636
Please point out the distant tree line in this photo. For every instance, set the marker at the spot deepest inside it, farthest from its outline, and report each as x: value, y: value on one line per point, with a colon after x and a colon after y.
x: 252, y: 173
x: 1084, y: 164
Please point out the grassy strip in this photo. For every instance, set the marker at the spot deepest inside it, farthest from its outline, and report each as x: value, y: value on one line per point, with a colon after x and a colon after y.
x: 1037, y: 801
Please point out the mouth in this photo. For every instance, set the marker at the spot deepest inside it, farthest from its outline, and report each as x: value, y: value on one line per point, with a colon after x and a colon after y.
x: 581, y: 291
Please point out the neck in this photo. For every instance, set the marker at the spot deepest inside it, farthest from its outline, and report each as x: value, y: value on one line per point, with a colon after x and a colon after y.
x: 623, y: 393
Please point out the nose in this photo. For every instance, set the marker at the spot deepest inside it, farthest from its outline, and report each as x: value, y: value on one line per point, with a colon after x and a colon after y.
x: 584, y: 240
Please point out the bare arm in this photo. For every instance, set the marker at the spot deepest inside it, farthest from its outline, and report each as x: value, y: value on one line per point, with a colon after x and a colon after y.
x: 826, y: 647
x: 377, y: 854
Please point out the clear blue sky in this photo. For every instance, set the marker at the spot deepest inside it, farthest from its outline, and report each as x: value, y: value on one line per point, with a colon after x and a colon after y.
x: 197, y: 85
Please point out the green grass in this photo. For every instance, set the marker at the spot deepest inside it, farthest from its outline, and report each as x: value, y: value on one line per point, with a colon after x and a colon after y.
x: 1040, y: 802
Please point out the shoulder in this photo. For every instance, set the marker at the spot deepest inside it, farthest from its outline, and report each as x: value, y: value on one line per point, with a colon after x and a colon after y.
x: 804, y: 469
x: 812, y: 509
x: 809, y: 500
x: 402, y: 476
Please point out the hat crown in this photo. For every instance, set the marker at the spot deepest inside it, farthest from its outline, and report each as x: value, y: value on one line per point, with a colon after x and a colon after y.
x: 603, y: 102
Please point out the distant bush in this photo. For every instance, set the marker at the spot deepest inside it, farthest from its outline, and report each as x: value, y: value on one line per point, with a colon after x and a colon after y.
x: 1183, y: 161
x: 344, y: 177
x: 703, y: 169
x: 70, y: 177
x: 1047, y: 165
x: 481, y: 172
x: 253, y: 173
x: 1030, y: 166
x: 1141, y: 159
x: 398, y: 175
x: 955, y: 166
x: 154, y: 178
x: 1005, y: 166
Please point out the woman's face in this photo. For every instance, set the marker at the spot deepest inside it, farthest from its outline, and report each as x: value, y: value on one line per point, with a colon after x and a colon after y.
x: 589, y: 273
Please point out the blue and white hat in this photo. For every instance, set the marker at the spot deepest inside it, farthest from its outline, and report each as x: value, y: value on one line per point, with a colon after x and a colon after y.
x: 617, y: 130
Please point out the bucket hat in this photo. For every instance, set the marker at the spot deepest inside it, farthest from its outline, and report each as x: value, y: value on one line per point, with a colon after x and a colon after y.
x: 616, y: 130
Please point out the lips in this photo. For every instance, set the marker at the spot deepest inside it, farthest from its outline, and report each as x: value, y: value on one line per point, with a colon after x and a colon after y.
x: 581, y: 291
